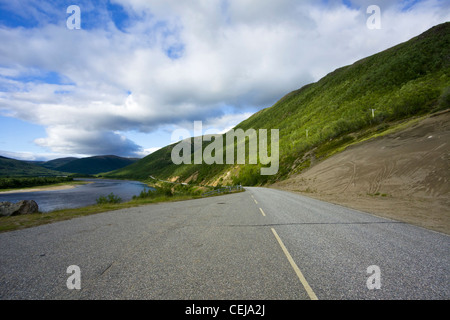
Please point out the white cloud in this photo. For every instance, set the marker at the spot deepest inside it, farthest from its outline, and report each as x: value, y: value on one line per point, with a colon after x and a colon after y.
x: 146, y: 152
x: 241, y: 53
x: 32, y: 156
x: 65, y: 139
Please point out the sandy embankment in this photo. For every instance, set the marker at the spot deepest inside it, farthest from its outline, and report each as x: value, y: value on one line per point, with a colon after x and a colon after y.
x: 403, y: 176
x: 43, y: 188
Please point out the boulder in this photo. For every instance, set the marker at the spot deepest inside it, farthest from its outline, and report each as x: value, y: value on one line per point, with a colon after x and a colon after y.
x: 22, y: 207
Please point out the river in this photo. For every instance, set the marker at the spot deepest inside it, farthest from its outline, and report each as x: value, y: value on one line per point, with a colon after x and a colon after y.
x: 80, y: 196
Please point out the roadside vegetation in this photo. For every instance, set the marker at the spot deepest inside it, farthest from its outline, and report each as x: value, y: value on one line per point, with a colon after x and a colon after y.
x: 110, y: 198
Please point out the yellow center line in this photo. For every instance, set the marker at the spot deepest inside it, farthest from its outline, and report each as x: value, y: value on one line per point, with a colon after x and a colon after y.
x: 255, y: 201
x: 262, y: 212
x: 305, y: 284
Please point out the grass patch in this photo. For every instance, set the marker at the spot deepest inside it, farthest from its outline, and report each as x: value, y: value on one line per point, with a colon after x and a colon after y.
x: 339, y: 145
x: 378, y: 194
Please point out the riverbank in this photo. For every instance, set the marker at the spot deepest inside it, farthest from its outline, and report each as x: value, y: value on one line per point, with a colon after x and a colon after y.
x: 36, y: 219
x: 178, y: 193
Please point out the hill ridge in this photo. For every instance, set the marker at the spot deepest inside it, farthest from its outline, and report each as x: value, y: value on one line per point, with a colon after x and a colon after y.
x: 350, y: 104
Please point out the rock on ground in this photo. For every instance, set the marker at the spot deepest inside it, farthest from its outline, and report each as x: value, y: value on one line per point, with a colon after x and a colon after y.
x: 22, y: 207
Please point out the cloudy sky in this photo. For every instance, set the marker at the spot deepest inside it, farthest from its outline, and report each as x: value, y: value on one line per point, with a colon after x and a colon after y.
x: 136, y: 70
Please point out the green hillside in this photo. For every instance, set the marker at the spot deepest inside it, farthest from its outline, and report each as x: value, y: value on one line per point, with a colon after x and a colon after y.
x: 16, y: 168
x: 348, y: 105
x: 95, y: 165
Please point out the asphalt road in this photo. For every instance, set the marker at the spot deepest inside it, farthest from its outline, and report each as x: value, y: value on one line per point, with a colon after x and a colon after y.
x: 256, y: 245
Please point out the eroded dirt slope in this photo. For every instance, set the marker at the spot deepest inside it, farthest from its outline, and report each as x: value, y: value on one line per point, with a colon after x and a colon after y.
x: 404, y: 175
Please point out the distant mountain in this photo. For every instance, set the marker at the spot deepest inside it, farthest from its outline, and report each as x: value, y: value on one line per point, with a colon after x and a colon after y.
x: 53, y: 164
x: 12, y: 167
x: 94, y: 165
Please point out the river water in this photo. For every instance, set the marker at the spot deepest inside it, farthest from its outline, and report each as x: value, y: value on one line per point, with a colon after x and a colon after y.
x: 80, y: 196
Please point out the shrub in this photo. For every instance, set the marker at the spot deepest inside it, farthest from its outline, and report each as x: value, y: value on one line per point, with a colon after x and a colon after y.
x: 444, y: 99
x: 164, y: 190
x: 111, y: 198
x: 145, y: 194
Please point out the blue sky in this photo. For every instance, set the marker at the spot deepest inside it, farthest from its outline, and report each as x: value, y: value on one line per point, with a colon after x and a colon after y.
x: 137, y: 70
